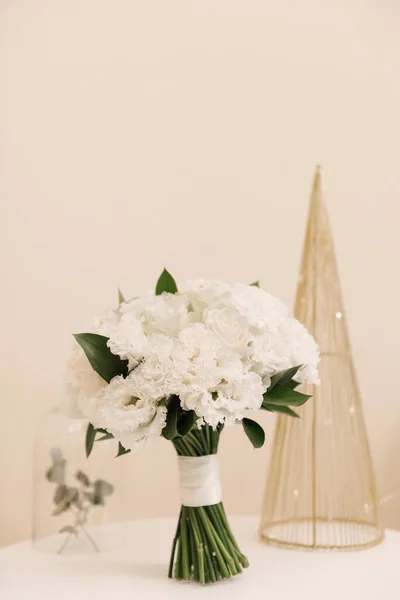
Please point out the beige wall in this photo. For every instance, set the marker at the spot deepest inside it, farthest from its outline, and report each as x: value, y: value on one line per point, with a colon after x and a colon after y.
x: 184, y: 132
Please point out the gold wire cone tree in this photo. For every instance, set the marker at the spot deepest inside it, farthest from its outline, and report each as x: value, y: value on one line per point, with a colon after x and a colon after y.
x: 321, y: 491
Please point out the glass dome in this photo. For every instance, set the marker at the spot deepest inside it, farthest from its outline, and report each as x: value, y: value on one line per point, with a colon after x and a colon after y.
x: 73, y: 496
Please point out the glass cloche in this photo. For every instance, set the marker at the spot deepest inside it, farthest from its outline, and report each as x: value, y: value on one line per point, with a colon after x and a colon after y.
x: 74, y: 497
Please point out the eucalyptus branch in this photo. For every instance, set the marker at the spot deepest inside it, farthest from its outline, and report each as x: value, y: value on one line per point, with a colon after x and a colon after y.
x: 79, y: 500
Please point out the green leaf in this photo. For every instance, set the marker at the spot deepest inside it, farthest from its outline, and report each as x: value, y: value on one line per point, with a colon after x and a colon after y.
x: 285, y: 396
x: 103, y: 361
x: 70, y: 496
x: 255, y: 284
x: 254, y: 432
x: 95, y: 499
x: 284, y: 410
x: 82, y: 478
x: 122, y: 450
x: 90, y: 437
x: 166, y: 283
x: 291, y: 385
x: 170, y: 430
x: 283, y: 378
x: 186, y: 421
x: 106, y: 436
x: 103, y: 488
x: 60, y: 492
x: 121, y: 298
x: 56, y: 473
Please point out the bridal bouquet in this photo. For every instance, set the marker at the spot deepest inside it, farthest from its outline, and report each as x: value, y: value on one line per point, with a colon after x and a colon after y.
x: 183, y: 363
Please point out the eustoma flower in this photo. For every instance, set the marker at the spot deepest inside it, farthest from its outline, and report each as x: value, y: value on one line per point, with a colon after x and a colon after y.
x: 182, y: 365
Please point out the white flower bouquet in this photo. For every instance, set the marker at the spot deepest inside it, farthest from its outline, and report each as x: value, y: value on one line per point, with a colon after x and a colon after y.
x: 183, y: 364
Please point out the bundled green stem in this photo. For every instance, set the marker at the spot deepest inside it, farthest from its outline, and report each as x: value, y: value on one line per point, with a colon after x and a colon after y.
x: 204, y: 548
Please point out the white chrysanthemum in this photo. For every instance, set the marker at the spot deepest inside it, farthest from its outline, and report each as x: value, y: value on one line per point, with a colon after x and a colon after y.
x: 133, y: 421
x: 84, y: 386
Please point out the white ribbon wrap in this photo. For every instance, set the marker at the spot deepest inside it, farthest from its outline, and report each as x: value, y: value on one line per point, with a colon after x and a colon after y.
x: 199, y: 480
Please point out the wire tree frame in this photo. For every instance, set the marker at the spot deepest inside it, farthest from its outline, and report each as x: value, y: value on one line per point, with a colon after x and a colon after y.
x: 320, y: 490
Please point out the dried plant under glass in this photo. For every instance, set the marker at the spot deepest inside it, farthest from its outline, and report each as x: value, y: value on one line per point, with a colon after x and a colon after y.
x: 321, y: 491
x: 79, y: 499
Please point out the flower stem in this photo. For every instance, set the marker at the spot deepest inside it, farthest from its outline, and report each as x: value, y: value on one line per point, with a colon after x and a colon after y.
x: 204, y: 548
x: 178, y: 565
x: 214, y: 545
x: 185, y: 545
x: 242, y: 558
x: 195, y: 443
x: 198, y: 543
x: 176, y: 538
x: 191, y: 451
x: 208, y: 555
x: 223, y: 535
x: 208, y: 438
x: 193, y: 551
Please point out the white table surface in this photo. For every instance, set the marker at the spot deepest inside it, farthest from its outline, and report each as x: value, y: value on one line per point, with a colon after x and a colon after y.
x: 138, y: 570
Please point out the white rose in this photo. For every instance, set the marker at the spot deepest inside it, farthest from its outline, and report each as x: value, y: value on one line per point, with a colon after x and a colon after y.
x: 230, y: 326
x: 166, y: 314
x: 203, y: 295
